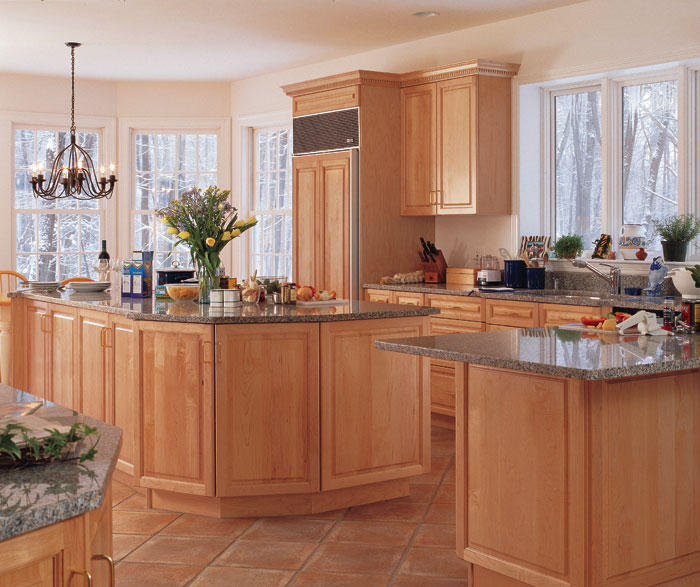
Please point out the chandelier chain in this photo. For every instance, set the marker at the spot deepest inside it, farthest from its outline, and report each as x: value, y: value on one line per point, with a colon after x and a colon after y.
x: 72, y: 87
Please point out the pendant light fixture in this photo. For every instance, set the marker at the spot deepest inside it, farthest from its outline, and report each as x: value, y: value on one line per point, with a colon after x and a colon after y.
x: 73, y: 174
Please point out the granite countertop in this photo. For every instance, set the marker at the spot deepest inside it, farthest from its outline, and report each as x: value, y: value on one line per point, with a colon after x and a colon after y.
x: 168, y: 311
x: 38, y: 496
x: 578, y: 354
x: 546, y: 296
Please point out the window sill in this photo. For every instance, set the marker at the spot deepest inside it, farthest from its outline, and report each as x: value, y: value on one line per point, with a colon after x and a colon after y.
x: 627, y: 266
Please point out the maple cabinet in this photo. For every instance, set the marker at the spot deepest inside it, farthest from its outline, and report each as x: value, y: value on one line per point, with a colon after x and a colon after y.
x: 322, y: 221
x: 455, y: 140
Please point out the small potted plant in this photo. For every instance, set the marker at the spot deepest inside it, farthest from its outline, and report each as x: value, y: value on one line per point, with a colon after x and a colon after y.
x: 568, y: 246
x: 676, y: 232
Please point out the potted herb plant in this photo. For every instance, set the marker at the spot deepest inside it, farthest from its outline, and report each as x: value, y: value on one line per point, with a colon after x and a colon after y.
x: 676, y: 232
x: 568, y: 246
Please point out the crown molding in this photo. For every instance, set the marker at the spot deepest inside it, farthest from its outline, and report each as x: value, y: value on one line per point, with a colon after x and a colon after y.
x: 462, y: 69
x: 343, y: 80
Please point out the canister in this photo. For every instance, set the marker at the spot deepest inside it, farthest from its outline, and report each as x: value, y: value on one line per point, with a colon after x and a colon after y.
x: 514, y: 273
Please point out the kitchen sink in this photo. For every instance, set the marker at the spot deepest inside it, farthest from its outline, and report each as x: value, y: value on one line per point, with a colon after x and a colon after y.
x: 566, y: 294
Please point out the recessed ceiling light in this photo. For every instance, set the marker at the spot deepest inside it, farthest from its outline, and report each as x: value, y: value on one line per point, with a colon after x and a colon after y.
x: 425, y: 13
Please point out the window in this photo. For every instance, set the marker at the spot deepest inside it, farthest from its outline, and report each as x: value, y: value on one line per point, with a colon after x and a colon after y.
x: 165, y: 165
x: 271, y: 203
x: 53, y: 239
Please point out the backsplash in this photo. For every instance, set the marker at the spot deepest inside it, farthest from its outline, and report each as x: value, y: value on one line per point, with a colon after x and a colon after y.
x: 587, y: 281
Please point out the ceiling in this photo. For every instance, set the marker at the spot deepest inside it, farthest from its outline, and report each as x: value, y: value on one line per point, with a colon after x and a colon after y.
x: 222, y: 39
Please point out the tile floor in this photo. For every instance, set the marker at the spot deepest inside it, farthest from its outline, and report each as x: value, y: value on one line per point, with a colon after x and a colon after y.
x: 406, y: 542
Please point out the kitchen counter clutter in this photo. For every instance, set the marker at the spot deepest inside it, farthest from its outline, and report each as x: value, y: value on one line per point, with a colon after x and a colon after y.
x: 56, y: 519
x: 192, y: 312
x: 585, y: 354
x: 577, y: 457
x: 255, y: 413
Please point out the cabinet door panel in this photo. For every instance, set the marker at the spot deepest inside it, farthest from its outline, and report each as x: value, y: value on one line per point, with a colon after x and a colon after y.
x: 93, y: 364
x: 375, y: 420
x: 514, y: 314
x: 556, y: 314
x: 458, y: 307
x: 379, y: 295
x: 176, y: 408
x: 267, y: 429
x: 305, y: 219
x: 456, y: 145
x: 335, y: 224
x: 35, y: 357
x: 442, y: 389
x: 409, y: 298
x: 418, y: 150
x: 122, y: 386
x: 61, y: 324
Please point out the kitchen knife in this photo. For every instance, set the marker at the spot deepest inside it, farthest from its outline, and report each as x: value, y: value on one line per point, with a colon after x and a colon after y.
x: 423, y: 258
x: 426, y: 250
x: 433, y: 248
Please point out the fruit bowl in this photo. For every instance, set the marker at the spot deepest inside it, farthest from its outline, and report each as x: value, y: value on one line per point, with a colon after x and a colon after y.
x: 182, y: 292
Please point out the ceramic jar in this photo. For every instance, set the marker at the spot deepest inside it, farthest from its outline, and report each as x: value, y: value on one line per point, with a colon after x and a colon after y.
x: 632, y: 238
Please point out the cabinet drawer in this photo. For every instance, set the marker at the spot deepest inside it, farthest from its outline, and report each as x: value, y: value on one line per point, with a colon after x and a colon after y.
x: 327, y: 101
x: 409, y: 298
x: 494, y: 327
x: 442, y: 389
x: 555, y: 314
x: 379, y: 295
x: 457, y: 307
x: 451, y: 326
x: 519, y: 314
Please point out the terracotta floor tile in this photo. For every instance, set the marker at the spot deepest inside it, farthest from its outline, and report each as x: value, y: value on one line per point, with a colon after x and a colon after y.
x: 120, y: 492
x: 231, y: 576
x: 446, y: 494
x: 340, y: 580
x: 123, y: 544
x: 441, y: 513
x: 434, y: 477
x: 204, y: 527
x: 440, y: 462
x: 387, y: 511
x: 419, y: 494
x: 140, y: 522
x: 415, y: 581
x: 435, y: 536
x: 285, y: 556
x: 449, y: 477
x: 186, y: 551
x: 357, y: 558
x: 288, y: 530
x: 332, y: 515
x: 381, y: 533
x: 139, y: 575
x: 433, y: 562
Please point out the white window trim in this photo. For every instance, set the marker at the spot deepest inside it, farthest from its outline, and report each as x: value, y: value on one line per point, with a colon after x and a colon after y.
x: 128, y: 127
x: 245, y: 126
x: 106, y: 126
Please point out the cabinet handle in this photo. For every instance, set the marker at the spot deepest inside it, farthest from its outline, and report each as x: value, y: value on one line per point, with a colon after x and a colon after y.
x: 110, y: 562
x: 41, y: 323
x: 45, y: 323
x: 104, y: 338
x: 218, y: 352
x: 87, y: 575
x: 432, y: 199
x: 204, y: 352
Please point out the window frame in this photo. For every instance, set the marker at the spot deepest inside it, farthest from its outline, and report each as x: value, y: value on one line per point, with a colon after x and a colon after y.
x: 130, y: 127
x: 9, y: 122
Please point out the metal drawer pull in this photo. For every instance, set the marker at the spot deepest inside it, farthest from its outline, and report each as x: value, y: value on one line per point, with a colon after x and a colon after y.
x: 87, y: 575
x: 110, y: 562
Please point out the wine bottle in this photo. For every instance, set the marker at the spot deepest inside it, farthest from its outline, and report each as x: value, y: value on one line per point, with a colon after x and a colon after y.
x: 104, y: 255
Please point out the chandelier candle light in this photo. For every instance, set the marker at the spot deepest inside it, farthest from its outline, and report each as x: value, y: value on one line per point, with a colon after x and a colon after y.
x: 73, y: 173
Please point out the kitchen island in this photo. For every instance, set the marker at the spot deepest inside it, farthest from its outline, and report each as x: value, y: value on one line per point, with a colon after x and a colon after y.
x: 56, y: 519
x: 578, y: 456
x: 253, y: 410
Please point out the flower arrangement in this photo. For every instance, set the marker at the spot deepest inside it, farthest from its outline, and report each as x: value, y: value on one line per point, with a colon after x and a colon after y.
x: 206, y: 222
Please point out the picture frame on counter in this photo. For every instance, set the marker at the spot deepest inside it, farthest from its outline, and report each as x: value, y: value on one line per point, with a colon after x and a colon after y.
x: 534, y: 246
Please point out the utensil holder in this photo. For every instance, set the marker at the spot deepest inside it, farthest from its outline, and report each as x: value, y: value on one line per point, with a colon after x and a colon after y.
x: 435, y: 272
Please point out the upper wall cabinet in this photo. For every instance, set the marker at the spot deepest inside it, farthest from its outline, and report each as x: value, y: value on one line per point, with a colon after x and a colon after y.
x: 455, y: 139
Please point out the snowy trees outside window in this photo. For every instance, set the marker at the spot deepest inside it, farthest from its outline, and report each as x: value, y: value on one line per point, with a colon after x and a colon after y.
x: 166, y: 165
x: 271, y: 203
x: 53, y: 239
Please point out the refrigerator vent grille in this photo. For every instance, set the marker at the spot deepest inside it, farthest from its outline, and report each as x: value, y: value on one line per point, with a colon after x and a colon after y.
x: 329, y: 131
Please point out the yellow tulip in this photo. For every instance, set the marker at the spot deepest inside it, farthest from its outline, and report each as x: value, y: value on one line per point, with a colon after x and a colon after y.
x: 239, y: 224
x: 226, y: 236
x: 235, y: 232
x: 171, y: 230
x: 211, y: 242
x: 251, y: 220
x: 184, y: 234
x: 164, y: 220
x: 221, y: 206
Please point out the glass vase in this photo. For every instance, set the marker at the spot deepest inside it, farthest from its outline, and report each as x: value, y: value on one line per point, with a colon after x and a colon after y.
x: 207, y: 271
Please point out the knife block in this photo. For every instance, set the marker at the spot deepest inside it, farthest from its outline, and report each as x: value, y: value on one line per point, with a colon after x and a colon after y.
x: 435, y: 272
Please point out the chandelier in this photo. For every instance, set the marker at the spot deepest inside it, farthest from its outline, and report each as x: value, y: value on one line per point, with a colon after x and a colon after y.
x: 73, y: 174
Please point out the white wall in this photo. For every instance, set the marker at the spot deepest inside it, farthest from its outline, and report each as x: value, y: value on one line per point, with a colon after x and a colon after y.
x: 594, y: 36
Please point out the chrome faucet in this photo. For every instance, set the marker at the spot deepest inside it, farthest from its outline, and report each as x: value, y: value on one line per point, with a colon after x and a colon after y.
x: 614, y: 278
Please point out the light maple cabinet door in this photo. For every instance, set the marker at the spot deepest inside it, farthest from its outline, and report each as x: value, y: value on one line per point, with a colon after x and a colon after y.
x: 122, y: 385
x: 456, y: 146
x: 267, y: 430
x: 92, y: 364
x: 382, y: 296
x: 409, y: 298
x: 176, y: 407
x: 61, y: 329
x: 418, y: 150
x: 31, y: 360
x: 305, y: 220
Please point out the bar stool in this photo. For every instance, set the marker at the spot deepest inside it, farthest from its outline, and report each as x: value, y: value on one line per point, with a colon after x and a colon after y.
x: 8, y: 282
